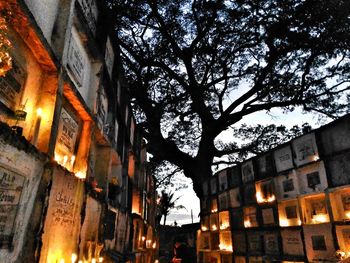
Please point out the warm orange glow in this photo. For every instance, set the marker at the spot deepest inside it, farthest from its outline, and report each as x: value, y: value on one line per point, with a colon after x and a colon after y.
x: 143, y: 238
x: 154, y: 245
x: 225, y: 247
x: 247, y: 223
x: 214, y: 210
x: 148, y: 243
x: 316, y: 158
x: 80, y: 261
x: 204, y: 228
x: 93, y: 260
x: 284, y: 222
x: 320, y: 218
x: 260, y: 199
x: 57, y: 158
x: 224, y: 225
x: 80, y: 174
x: 342, y: 254
x: 65, y: 161
x: 39, y: 112
x: 5, y: 45
x: 74, y: 257
x: 214, y: 227
x: 347, y: 214
x: 5, y: 62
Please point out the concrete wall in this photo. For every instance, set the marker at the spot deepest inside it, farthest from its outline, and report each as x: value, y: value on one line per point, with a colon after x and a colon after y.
x: 63, y: 219
x: 21, y: 178
x: 44, y: 12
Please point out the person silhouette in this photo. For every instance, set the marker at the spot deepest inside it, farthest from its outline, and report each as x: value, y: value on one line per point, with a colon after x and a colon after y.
x: 181, y: 251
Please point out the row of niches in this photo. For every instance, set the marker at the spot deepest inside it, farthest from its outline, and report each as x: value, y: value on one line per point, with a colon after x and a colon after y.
x: 298, y: 156
x: 314, y: 242
x: 219, y: 257
x: 309, y: 209
x: 310, y: 179
x: 298, y: 153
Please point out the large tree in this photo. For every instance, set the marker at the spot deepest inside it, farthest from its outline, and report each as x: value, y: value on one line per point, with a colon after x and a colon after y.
x: 196, y: 68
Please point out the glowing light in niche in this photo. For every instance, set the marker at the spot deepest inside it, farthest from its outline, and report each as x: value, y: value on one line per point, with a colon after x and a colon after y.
x: 80, y: 175
x: 148, y: 243
x: 225, y: 247
x: 204, y: 228
x: 214, y: 227
x: 247, y: 223
x: 224, y: 225
x: 320, y: 218
x: 65, y: 161
x: 74, y: 257
x: 347, y: 214
x: 260, y: 199
x: 286, y: 222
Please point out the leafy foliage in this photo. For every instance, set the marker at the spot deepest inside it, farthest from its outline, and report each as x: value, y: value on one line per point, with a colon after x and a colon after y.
x: 196, y: 68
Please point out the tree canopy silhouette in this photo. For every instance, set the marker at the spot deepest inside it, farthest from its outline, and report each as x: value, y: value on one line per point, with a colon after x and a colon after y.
x: 196, y: 68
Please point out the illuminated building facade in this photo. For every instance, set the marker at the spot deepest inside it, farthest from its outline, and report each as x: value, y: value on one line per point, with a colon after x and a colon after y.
x: 290, y: 204
x: 72, y: 159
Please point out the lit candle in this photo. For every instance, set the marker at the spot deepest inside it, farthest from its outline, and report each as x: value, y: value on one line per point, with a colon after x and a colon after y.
x: 74, y: 257
x: 148, y: 243
x: 347, y: 214
x: 100, y: 259
x: 72, y: 160
x: 65, y: 159
x: 37, y: 127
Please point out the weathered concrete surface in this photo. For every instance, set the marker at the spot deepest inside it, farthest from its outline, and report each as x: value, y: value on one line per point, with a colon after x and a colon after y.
x: 18, y: 159
x: 63, y: 219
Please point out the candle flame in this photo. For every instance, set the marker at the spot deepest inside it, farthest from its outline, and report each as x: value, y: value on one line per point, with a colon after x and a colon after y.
x: 320, y: 218
x: 247, y: 223
x: 80, y: 174
x: 224, y: 225
x: 74, y: 257
x: 39, y: 112
x: 347, y: 214
x: 225, y: 247
x: 260, y: 199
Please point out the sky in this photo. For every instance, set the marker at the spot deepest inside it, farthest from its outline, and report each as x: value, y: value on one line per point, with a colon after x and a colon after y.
x: 188, y: 197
